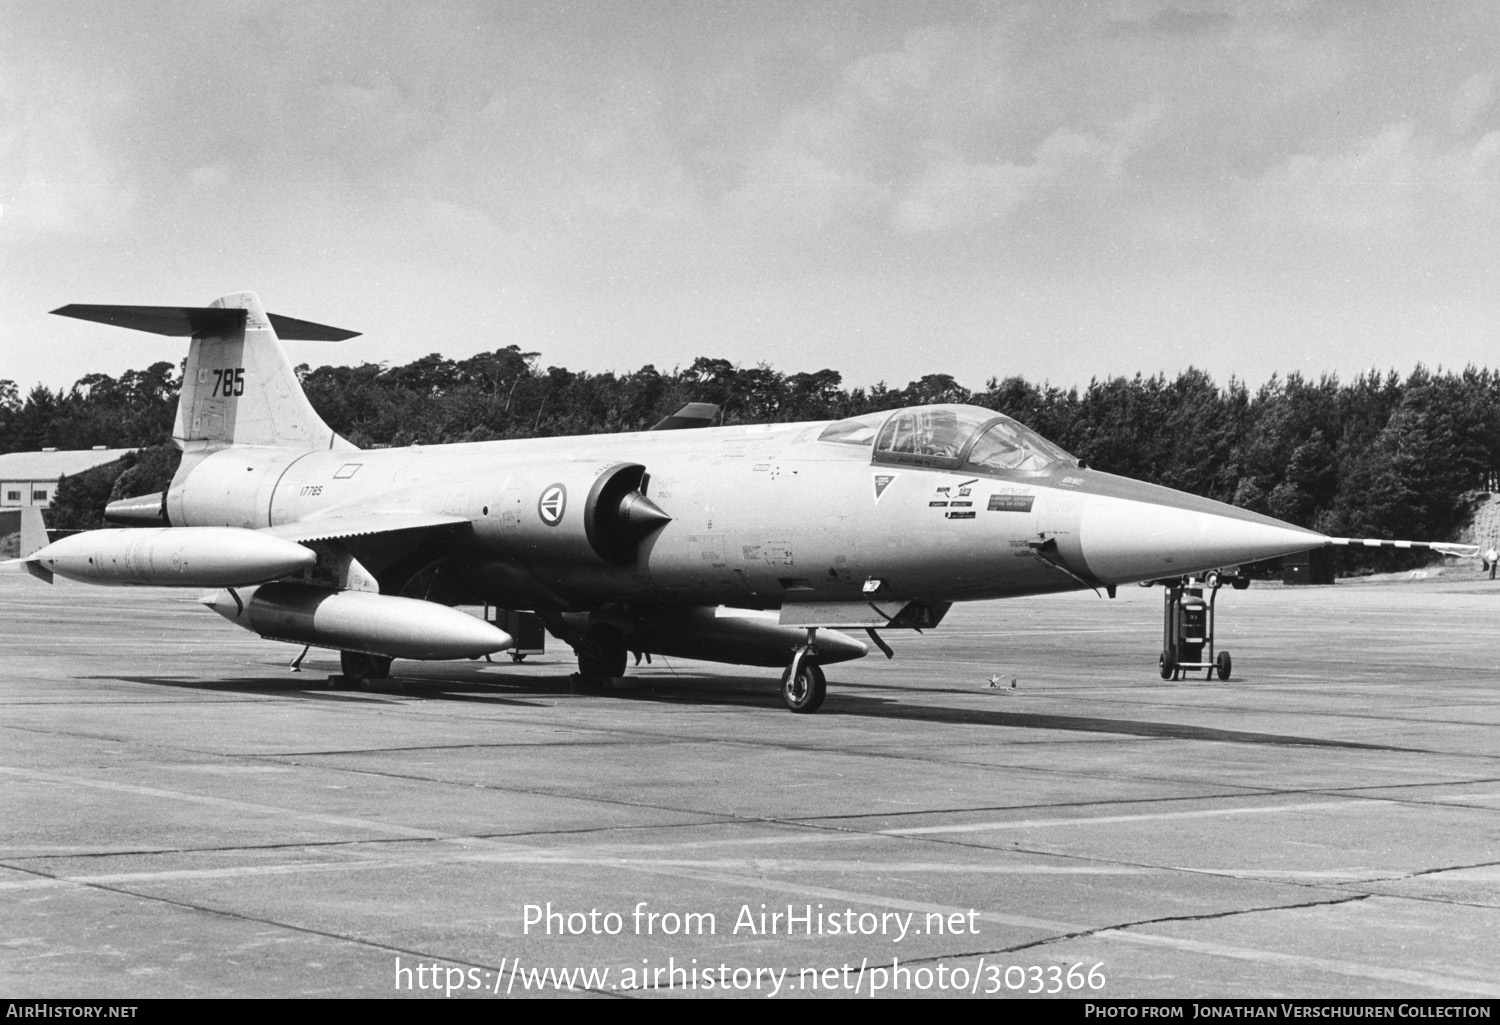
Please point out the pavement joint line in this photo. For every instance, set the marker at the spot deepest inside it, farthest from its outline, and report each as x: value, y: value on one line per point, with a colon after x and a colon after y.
x: 1124, y: 934
x: 980, y: 827
x: 1428, y: 899
x: 1453, y: 868
x: 677, y: 739
x: 293, y: 927
x: 1292, y: 741
x: 352, y: 821
x: 1318, y: 879
x: 912, y: 830
x: 395, y: 840
x: 533, y: 857
x: 906, y: 832
x: 1127, y: 934
x: 1233, y: 792
x: 346, y: 821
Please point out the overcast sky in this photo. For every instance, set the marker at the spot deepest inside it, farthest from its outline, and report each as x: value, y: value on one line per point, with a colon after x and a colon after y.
x: 1058, y: 190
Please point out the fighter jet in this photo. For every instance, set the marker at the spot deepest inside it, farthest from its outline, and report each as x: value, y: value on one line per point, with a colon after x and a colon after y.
x: 758, y: 545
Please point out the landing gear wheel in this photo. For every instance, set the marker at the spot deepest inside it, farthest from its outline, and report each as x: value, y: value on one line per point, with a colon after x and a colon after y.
x: 804, y: 691
x: 359, y: 667
x: 601, y: 657
x: 1223, y: 664
x: 1168, y: 663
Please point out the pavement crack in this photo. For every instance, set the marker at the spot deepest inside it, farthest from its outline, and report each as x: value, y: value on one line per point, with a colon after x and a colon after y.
x: 1207, y: 916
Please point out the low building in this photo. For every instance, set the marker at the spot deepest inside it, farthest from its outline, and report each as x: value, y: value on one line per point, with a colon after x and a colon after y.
x: 30, y: 478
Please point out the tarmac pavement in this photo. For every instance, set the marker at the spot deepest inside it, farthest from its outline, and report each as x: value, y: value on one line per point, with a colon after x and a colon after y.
x: 183, y: 816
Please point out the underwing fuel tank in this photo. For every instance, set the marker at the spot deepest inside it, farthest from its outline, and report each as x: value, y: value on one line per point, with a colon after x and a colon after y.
x: 377, y: 624
x: 171, y: 557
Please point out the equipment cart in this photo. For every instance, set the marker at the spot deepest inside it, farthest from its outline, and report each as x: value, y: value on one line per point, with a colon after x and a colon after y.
x: 526, y: 627
x: 1188, y: 626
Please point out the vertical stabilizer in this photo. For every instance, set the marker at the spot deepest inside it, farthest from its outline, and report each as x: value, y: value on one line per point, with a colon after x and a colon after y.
x: 238, y: 387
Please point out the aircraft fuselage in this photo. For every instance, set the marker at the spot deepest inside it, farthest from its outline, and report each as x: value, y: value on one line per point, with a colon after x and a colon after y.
x: 761, y: 516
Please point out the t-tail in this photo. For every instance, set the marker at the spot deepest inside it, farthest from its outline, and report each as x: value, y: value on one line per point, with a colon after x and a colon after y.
x: 238, y: 386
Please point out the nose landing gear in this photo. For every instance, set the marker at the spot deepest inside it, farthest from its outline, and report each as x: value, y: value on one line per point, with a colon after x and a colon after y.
x: 803, y: 685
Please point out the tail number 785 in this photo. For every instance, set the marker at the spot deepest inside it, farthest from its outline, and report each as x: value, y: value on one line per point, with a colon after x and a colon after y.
x: 229, y: 381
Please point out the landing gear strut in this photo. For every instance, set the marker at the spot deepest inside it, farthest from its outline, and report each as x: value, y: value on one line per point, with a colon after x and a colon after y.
x: 803, y: 685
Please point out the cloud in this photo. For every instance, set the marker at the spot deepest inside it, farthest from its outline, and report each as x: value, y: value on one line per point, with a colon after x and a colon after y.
x: 1473, y: 99
x: 880, y: 118
x: 58, y: 179
x: 895, y: 77
x: 955, y: 193
x: 1395, y: 180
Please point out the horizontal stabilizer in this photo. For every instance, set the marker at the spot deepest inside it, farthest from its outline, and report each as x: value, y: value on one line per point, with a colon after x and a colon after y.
x: 694, y: 414
x: 192, y: 321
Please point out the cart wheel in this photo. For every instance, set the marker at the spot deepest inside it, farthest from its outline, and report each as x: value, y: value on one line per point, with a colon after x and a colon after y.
x: 1168, y: 663
x: 1212, y: 580
x: 1223, y: 664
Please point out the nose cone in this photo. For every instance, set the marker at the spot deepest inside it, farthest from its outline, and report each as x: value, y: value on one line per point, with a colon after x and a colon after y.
x: 1146, y: 532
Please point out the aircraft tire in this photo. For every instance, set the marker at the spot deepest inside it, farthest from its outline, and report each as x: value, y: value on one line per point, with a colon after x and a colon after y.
x: 601, y: 652
x: 1168, y: 663
x: 1223, y: 665
x: 804, y: 694
x: 359, y: 667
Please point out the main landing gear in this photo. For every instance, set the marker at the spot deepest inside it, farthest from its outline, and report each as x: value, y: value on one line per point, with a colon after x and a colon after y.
x: 603, y: 649
x: 602, y: 655
x: 803, y: 685
x: 360, y: 667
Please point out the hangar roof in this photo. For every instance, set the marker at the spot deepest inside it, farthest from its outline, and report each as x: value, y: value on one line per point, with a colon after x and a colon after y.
x: 52, y: 465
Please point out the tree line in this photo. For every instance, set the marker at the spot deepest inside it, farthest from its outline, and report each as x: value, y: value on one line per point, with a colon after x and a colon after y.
x: 1377, y: 456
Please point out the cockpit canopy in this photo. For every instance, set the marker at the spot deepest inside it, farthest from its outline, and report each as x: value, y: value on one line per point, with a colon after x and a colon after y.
x: 950, y: 437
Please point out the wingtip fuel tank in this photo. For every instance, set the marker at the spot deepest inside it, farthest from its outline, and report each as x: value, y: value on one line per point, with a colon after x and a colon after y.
x: 172, y: 557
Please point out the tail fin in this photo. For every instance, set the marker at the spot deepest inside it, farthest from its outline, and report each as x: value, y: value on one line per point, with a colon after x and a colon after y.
x: 238, y: 387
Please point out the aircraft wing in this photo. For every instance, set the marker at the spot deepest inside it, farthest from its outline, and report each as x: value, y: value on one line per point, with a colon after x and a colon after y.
x: 694, y: 414
x: 337, y: 526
